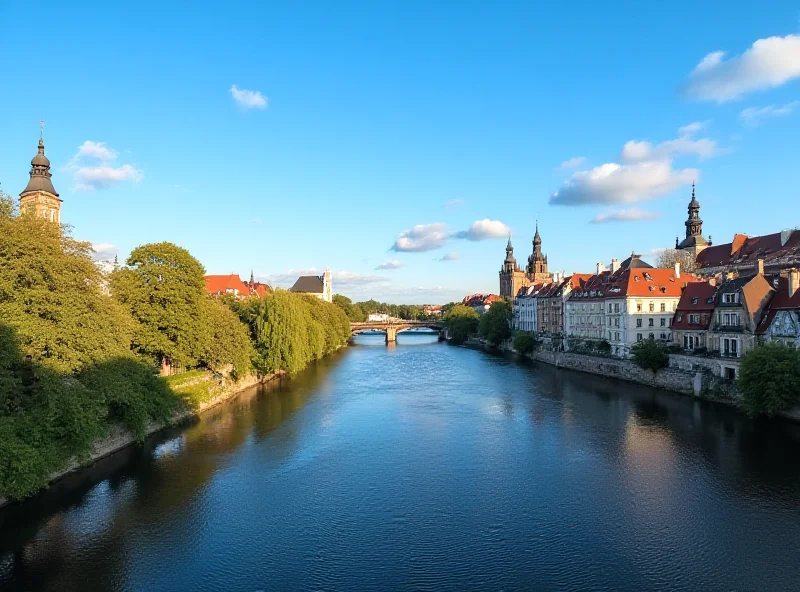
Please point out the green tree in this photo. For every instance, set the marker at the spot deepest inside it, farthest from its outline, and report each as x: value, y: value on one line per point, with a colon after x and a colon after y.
x: 353, y: 311
x: 495, y: 324
x: 769, y: 379
x: 461, y: 321
x: 650, y: 354
x: 227, y: 339
x: 524, y: 343
x: 52, y: 296
x: 603, y: 347
x: 163, y: 288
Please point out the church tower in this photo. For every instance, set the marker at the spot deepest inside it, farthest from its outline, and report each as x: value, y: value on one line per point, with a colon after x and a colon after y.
x: 39, y: 198
x: 694, y: 241
x: 512, y: 278
x: 537, y: 262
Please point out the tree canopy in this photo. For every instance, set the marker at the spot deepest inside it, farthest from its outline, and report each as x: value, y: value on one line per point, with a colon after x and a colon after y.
x: 769, y: 379
x: 462, y: 322
x: 495, y: 324
x: 650, y: 355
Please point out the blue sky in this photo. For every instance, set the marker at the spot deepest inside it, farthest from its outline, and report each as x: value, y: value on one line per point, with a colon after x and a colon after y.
x: 373, y: 118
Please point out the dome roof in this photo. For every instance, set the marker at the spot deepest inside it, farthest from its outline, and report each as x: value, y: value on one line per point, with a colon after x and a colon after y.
x: 40, y: 173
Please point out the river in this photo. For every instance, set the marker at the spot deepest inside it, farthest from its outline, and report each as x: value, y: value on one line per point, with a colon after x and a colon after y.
x: 427, y: 467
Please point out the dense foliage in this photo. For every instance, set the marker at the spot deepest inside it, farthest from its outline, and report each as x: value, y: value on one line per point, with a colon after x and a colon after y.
x: 462, y: 322
x: 359, y: 311
x: 650, y: 355
x: 769, y: 379
x: 495, y: 325
x: 79, y: 351
x: 524, y: 343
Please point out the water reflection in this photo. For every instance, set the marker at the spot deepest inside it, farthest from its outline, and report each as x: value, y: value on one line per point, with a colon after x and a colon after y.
x: 427, y: 466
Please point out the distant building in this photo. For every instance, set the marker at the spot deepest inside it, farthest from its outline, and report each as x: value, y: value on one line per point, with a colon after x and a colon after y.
x: 217, y: 285
x: 512, y: 278
x: 315, y: 285
x: 779, y: 251
x: 480, y: 303
x: 40, y: 197
x: 781, y: 323
x: 257, y: 288
x: 693, y: 315
x: 378, y: 317
x: 432, y: 310
x: 694, y: 242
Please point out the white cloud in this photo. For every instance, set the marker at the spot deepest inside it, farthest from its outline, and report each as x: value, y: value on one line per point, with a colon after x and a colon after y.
x: 628, y: 215
x: 423, y: 237
x: 97, y: 150
x: 453, y: 203
x: 768, y: 63
x: 573, y: 163
x: 248, y: 99
x: 92, y: 169
x: 393, y: 264
x: 483, y: 229
x: 104, y: 251
x: 753, y: 115
x: 103, y: 177
x: 452, y: 256
x: 645, y: 171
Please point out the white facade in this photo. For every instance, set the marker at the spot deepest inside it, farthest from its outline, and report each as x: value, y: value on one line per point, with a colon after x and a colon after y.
x: 525, y: 311
x: 634, y: 319
x: 378, y: 317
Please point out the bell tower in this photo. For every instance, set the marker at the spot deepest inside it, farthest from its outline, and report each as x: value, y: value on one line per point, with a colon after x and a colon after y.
x: 40, y: 198
x: 537, y: 262
x: 694, y: 241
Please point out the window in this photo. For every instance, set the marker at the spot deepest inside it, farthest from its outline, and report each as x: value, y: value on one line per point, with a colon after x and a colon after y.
x: 680, y: 318
x: 652, y: 307
x: 730, y: 298
x: 664, y: 336
x: 638, y: 337
x: 609, y: 307
x: 730, y: 347
x: 651, y: 336
x: 663, y: 322
x: 638, y: 307
x: 650, y: 322
x: 694, y: 319
x: 638, y: 322
x: 730, y: 319
x: 616, y: 307
x: 694, y: 300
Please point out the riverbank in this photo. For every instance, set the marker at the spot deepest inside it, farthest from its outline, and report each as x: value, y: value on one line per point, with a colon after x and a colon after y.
x: 200, y: 391
x: 697, y: 384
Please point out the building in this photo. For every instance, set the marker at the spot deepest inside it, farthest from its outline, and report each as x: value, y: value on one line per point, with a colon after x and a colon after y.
x: 217, y: 285
x: 432, y: 310
x: 512, y: 278
x: 693, y: 316
x: 480, y: 302
x: 40, y: 198
x: 552, y: 301
x: 694, y: 243
x: 584, y: 318
x: 781, y: 323
x: 525, y: 309
x: 740, y: 305
x: 257, y: 288
x: 315, y: 285
x: 780, y: 251
x: 378, y: 317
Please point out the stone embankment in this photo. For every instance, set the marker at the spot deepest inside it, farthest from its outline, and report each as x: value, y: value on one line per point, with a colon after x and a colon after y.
x: 205, y: 389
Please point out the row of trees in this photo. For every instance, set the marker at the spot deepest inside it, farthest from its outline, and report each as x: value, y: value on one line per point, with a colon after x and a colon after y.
x: 357, y: 312
x: 494, y: 325
x: 80, y: 350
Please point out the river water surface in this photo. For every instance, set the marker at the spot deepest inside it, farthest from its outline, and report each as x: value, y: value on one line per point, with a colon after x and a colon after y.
x: 428, y: 467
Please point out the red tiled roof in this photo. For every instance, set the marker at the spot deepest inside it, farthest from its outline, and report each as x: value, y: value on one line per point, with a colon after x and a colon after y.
x: 702, y: 291
x: 220, y: 284
x: 260, y: 289
x: 746, y: 249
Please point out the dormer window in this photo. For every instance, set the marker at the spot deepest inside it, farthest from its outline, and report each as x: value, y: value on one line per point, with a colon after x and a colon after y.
x: 694, y: 300
x: 710, y: 300
x: 636, y: 278
x: 648, y: 277
x: 730, y: 298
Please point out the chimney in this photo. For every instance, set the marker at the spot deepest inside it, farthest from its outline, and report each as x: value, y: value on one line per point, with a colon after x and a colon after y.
x: 760, y: 267
x: 794, y: 281
x: 614, y: 265
x: 677, y: 269
x: 600, y: 268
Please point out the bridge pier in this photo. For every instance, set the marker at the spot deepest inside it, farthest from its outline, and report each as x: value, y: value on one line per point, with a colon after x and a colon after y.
x: 391, y: 335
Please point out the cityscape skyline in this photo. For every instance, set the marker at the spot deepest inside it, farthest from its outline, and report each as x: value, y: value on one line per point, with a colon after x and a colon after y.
x: 400, y: 147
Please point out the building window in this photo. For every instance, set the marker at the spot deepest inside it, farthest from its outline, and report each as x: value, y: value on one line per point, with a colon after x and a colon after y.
x: 730, y: 347
x: 650, y: 322
x: 638, y: 322
x: 652, y: 307
x: 663, y: 322
x: 651, y: 336
x: 730, y: 319
x: 638, y: 337
x: 664, y: 336
x: 616, y: 307
x: 638, y: 307
x: 730, y: 298
x: 694, y: 300
x: 694, y: 319
x: 663, y: 307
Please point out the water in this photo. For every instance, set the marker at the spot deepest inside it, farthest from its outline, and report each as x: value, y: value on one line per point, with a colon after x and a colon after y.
x: 428, y: 467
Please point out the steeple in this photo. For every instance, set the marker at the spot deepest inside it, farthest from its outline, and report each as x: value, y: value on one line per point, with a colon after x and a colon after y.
x: 537, y: 240
x: 40, y: 197
x: 252, y: 279
x: 694, y: 227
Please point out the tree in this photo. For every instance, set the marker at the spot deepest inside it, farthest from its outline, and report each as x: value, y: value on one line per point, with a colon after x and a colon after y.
x: 524, y: 343
x: 669, y: 257
x: 163, y: 287
x: 461, y: 321
x: 769, y: 379
x: 353, y: 311
x: 227, y: 340
x: 603, y: 347
x: 650, y: 355
x: 8, y: 205
x: 52, y: 297
x: 495, y: 324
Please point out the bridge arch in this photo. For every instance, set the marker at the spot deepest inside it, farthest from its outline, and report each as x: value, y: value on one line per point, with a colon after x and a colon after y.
x: 392, y: 328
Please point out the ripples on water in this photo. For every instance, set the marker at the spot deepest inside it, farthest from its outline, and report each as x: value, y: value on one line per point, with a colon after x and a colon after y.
x: 426, y: 467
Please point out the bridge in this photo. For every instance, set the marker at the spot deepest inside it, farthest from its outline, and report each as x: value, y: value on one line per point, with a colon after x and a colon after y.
x: 394, y: 326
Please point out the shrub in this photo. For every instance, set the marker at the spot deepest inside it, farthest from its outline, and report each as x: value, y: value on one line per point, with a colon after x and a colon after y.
x: 495, y: 324
x: 524, y: 343
x: 462, y: 321
x: 769, y: 379
x: 650, y: 355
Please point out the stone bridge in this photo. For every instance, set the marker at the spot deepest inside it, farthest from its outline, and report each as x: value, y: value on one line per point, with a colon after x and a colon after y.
x: 393, y: 327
